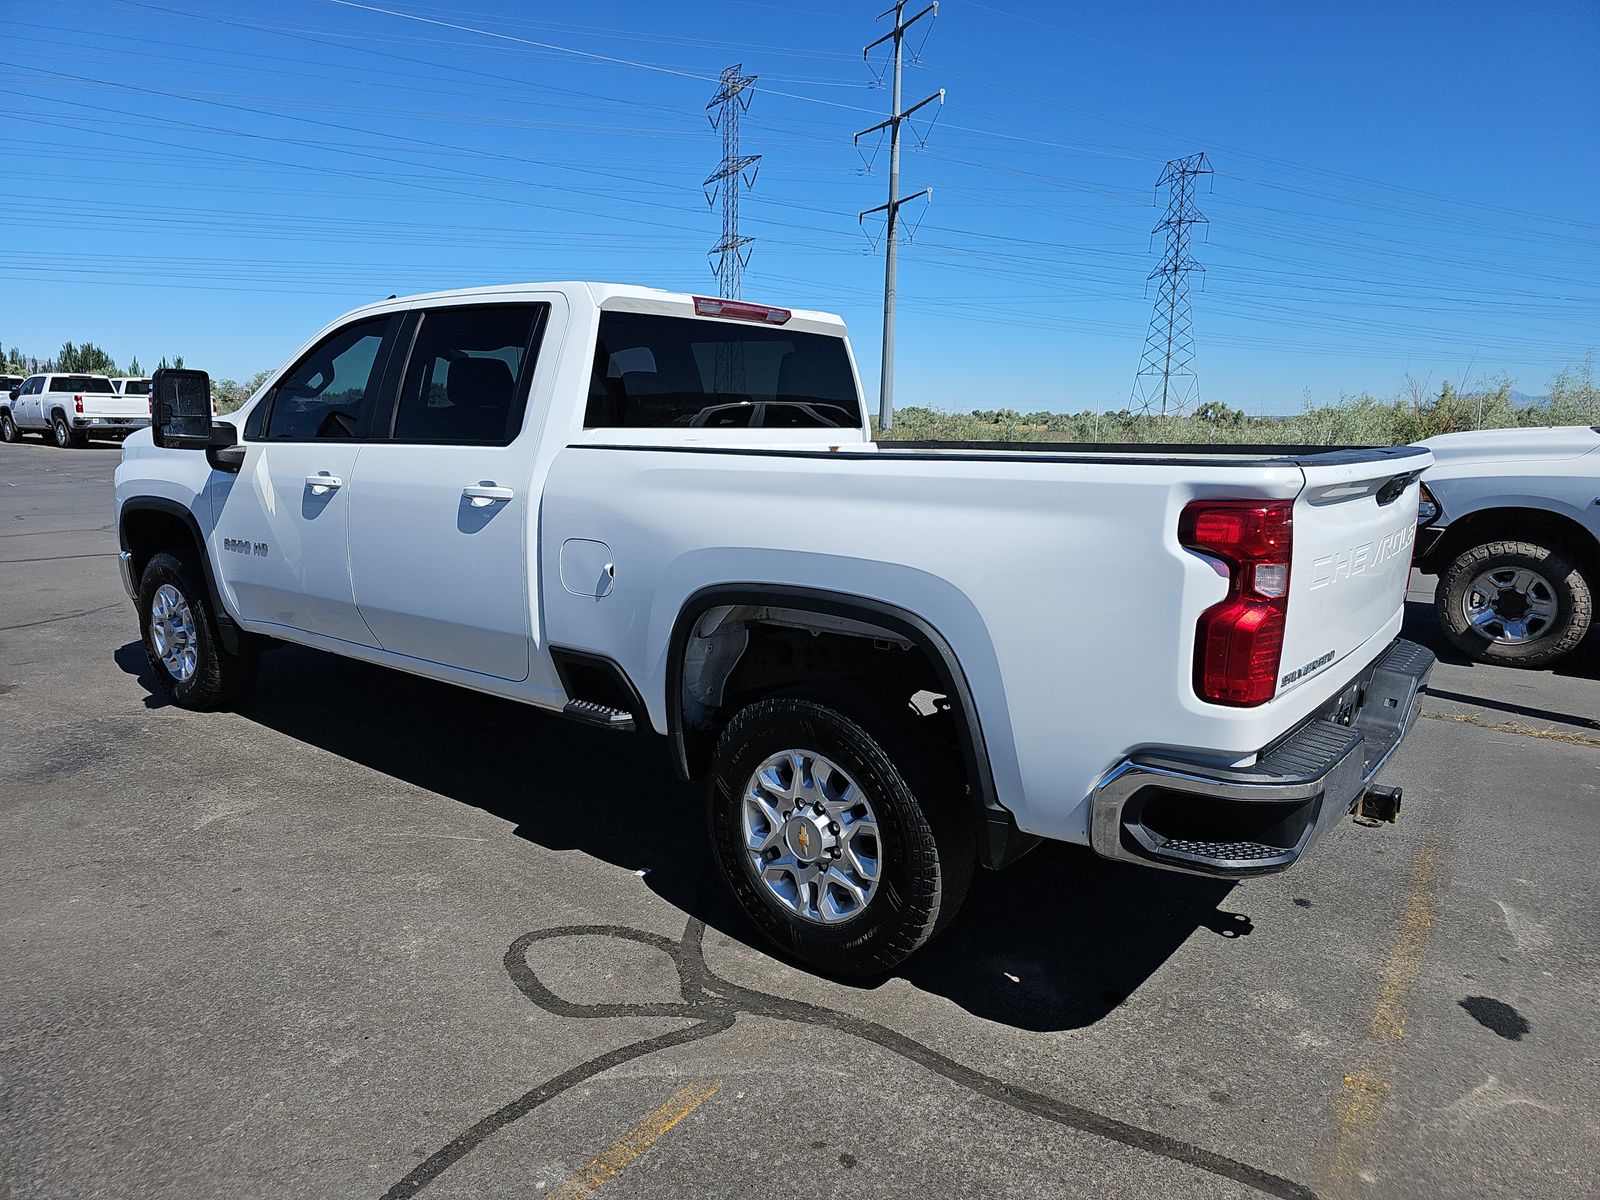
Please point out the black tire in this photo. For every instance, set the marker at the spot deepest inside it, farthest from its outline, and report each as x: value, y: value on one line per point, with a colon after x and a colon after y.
x: 8, y: 428
x: 927, y: 832
x: 1571, y: 590
x: 61, y: 433
x: 220, y: 679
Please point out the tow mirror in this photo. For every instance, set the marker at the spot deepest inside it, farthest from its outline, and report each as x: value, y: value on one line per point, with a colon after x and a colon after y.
x: 14, y: 392
x: 180, y: 409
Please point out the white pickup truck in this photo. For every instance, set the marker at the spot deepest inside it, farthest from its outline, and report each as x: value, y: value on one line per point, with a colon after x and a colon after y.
x: 1511, y: 526
x: 659, y: 512
x: 70, y: 408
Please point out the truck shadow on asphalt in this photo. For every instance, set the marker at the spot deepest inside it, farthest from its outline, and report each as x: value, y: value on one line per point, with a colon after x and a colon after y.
x: 1422, y: 626
x: 1029, y: 950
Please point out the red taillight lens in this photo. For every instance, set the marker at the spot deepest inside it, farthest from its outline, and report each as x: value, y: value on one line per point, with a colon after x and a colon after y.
x: 738, y: 310
x: 77, y: 402
x: 1239, y: 641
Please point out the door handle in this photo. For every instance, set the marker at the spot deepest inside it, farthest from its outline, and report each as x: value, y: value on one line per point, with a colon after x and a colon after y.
x: 322, y: 482
x: 483, y: 494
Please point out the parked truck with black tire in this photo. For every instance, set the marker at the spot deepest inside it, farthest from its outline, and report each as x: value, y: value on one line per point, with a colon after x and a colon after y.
x: 1511, y: 526
x: 891, y: 663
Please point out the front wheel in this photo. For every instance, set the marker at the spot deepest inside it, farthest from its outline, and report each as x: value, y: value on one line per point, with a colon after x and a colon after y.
x: 1515, y: 603
x: 8, y: 428
x: 181, y: 641
x: 840, y: 828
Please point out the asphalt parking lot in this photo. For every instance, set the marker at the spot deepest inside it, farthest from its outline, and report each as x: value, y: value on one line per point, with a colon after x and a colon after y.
x: 372, y: 936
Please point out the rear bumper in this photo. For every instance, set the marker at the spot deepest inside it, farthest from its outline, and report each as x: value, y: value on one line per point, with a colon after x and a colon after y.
x: 1235, y: 822
x: 111, y: 424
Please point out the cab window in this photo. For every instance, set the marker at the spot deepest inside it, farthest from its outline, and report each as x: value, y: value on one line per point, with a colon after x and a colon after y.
x: 329, y: 392
x: 467, y: 379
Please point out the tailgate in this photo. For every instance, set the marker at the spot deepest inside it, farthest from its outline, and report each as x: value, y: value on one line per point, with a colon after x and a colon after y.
x: 1354, y: 525
x: 109, y: 404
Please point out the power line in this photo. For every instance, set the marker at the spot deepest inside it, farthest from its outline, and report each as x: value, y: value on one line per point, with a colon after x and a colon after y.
x: 891, y: 210
x: 1166, y: 370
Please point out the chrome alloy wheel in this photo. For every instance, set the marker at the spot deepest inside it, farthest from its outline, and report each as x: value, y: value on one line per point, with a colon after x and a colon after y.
x: 812, y: 837
x: 1510, y: 605
x: 172, y: 631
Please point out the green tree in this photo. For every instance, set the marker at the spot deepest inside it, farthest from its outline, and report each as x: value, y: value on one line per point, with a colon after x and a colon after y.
x: 87, y: 359
x: 133, y: 367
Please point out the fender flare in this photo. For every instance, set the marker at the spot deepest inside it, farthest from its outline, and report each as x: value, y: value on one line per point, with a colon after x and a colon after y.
x: 232, y: 636
x: 1000, y: 842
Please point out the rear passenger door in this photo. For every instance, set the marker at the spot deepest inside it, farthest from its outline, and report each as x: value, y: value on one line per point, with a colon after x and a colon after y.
x: 440, y: 515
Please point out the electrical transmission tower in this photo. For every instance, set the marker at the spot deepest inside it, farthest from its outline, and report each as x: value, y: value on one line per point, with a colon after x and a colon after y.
x: 892, y: 208
x: 729, y: 256
x: 1166, y: 375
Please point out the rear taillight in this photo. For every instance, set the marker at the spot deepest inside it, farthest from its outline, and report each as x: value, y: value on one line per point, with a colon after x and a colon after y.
x: 1239, y: 640
x: 77, y: 402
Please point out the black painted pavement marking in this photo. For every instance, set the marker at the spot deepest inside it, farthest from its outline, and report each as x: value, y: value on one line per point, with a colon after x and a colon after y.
x: 713, y: 1004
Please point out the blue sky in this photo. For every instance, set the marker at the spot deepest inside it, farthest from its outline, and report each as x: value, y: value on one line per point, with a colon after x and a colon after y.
x: 1398, y: 187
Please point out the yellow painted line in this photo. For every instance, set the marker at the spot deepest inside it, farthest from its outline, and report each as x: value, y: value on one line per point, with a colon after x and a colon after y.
x: 1365, y: 1089
x: 608, y: 1164
x: 1405, y: 963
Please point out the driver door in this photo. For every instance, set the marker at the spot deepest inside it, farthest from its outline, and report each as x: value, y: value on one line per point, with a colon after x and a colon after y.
x: 281, y: 531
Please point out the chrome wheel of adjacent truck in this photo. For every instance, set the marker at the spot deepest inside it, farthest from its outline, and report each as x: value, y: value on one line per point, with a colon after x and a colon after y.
x: 8, y: 428
x: 838, y: 827
x: 1516, y: 603
x: 1511, y: 605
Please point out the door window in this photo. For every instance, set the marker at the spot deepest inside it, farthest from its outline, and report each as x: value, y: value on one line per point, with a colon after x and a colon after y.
x: 467, y: 380
x: 328, y: 392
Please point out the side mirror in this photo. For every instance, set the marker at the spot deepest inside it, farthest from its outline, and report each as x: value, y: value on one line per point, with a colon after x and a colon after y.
x: 180, y: 409
x: 14, y: 392
x: 224, y: 451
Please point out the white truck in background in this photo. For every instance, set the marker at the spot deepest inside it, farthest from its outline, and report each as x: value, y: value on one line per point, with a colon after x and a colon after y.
x: 132, y: 385
x: 892, y: 663
x: 69, y: 408
x: 1511, y: 526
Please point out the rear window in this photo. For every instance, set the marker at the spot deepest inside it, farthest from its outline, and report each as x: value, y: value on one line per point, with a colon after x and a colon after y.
x: 136, y: 387
x: 652, y: 371
x: 80, y: 383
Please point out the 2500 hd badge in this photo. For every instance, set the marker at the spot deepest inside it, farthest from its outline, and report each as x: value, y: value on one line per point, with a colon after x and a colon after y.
x: 245, y: 546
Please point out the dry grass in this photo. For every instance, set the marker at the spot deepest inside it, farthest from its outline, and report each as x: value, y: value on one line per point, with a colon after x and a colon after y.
x: 1549, y: 734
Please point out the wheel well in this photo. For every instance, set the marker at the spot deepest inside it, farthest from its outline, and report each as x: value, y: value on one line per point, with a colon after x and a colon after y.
x: 1550, y: 529
x: 733, y: 646
x: 740, y: 653
x: 147, y: 531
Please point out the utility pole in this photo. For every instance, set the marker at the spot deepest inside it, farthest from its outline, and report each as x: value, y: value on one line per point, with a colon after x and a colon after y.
x: 892, y: 208
x: 728, y: 256
x: 1166, y: 368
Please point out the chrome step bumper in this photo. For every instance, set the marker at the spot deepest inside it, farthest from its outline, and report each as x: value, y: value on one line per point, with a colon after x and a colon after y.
x: 1235, y: 822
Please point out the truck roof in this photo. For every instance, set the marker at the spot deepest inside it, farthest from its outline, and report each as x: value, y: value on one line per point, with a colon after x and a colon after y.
x: 628, y: 296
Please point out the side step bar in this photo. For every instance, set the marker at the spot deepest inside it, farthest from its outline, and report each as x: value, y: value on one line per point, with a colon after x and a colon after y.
x: 601, y: 715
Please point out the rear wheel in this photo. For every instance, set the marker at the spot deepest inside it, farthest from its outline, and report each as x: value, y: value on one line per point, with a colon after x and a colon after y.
x: 1516, y: 603
x: 61, y: 432
x: 181, y: 641
x: 840, y: 828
